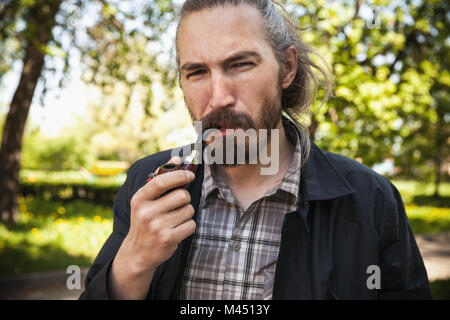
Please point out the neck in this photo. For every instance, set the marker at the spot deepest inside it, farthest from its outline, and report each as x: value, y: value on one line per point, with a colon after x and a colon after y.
x: 249, y: 175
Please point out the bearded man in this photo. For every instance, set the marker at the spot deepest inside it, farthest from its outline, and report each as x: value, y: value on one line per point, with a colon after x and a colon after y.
x: 322, y: 226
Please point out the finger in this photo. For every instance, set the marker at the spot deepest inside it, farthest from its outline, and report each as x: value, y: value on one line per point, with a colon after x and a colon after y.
x: 183, y: 231
x: 165, y: 182
x: 180, y: 215
x: 172, y: 200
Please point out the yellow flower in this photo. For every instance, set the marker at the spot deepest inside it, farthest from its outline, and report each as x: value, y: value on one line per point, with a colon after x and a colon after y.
x: 97, y: 219
x: 80, y: 219
x: 61, y: 210
x: 59, y: 221
x: 34, y: 231
x: 32, y: 177
x: 22, y: 207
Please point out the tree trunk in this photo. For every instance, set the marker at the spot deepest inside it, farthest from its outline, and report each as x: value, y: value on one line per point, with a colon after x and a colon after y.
x: 41, y: 21
x: 313, y: 127
x: 437, y: 180
x: 10, y: 152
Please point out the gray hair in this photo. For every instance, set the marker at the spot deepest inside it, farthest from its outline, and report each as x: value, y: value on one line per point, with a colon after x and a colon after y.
x: 281, y: 33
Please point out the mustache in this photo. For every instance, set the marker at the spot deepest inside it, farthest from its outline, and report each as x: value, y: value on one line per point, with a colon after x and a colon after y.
x: 225, y: 118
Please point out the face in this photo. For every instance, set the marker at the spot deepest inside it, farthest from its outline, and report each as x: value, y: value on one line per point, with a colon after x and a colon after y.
x: 228, y: 71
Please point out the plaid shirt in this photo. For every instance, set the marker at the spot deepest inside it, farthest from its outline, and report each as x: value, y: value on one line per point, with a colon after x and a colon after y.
x: 234, y: 253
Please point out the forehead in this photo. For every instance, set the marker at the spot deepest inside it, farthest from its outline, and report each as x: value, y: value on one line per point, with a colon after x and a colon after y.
x: 213, y: 34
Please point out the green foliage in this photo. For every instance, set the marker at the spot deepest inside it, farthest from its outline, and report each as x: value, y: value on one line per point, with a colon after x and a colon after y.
x: 70, y: 177
x: 65, y: 152
x: 69, y: 185
x: 441, y: 201
x: 411, y: 190
x: 118, y: 43
x: 10, y: 45
x: 391, y: 80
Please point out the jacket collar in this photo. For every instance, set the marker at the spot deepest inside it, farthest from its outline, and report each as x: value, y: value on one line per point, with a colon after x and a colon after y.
x: 321, y: 179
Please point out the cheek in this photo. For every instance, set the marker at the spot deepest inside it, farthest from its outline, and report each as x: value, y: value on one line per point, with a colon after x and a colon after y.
x: 197, y: 102
x: 257, y: 91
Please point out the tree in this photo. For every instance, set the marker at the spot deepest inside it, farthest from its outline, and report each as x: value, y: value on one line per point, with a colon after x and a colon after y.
x: 425, y: 62
x: 40, y: 18
x: 390, y: 64
x: 38, y: 31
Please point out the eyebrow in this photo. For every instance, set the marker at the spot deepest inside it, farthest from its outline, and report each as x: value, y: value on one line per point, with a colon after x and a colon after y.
x: 190, y: 66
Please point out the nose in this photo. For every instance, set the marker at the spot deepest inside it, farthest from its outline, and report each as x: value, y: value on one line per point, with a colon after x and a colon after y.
x: 222, y: 93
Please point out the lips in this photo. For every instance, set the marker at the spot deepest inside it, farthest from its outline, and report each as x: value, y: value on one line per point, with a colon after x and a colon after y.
x: 223, y: 130
x: 221, y: 127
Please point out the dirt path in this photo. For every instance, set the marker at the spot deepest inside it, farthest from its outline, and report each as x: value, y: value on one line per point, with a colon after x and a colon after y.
x: 40, y: 286
x: 435, y: 250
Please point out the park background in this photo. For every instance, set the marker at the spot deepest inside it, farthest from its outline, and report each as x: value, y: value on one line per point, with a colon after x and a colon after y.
x: 89, y: 87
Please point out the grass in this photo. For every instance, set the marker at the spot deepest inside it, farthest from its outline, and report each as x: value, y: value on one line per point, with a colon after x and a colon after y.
x: 440, y: 289
x: 428, y: 220
x: 431, y: 215
x: 53, y: 235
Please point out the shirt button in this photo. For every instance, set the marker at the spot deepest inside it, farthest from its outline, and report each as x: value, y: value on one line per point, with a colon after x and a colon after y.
x: 236, y: 246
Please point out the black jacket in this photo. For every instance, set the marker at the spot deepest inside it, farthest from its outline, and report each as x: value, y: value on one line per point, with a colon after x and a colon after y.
x: 348, y: 219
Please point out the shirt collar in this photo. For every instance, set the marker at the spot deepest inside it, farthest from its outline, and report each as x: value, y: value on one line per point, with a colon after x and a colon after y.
x: 320, y: 180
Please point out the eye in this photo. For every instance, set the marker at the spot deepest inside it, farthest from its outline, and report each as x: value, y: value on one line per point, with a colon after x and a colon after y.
x: 195, y: 73
x: 242, y: 64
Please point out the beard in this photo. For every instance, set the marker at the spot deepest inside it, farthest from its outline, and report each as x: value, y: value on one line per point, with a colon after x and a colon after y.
x: 268, y: 118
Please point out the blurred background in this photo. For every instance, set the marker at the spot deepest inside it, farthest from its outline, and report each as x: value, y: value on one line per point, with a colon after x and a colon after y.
x: 89, y: 87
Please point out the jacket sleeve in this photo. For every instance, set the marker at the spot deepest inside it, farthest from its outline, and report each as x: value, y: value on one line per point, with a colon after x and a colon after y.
x: 403, y: 274
x: 96, y: 283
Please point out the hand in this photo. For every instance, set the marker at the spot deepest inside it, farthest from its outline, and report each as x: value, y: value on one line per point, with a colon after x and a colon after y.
x: 161, y: 217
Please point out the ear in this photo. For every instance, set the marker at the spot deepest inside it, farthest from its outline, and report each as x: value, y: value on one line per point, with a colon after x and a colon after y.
x: 290, y: 68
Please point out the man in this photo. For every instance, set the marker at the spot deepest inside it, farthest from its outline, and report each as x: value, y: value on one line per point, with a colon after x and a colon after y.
x: 322, y: 227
